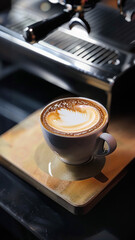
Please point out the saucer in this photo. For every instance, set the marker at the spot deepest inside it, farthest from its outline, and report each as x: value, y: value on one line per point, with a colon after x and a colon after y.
x: 50, y: 163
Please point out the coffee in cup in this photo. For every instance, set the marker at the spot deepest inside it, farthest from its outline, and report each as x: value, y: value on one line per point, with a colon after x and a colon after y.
x: 74, y: 127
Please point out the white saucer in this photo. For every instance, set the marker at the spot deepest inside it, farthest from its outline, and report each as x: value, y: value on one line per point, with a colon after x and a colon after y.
x: 50, y: 163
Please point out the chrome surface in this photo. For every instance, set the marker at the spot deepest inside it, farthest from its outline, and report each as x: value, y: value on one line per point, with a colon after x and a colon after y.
x: 67, y: 57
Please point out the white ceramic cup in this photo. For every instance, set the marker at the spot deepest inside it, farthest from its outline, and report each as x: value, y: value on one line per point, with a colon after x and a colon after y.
x: 80, y: 149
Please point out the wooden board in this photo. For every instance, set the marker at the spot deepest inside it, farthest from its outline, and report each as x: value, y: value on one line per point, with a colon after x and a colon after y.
x: 18, y: 151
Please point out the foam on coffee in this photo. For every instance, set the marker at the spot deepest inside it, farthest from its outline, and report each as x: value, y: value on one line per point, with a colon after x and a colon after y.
x: 73, y: 117
x: 79, y: 119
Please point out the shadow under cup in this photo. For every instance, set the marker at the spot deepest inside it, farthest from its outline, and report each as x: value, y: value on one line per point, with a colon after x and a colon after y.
x: 80, y: 147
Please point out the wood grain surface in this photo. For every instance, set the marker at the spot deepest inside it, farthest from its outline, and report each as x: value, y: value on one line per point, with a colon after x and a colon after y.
x: 19, y: 152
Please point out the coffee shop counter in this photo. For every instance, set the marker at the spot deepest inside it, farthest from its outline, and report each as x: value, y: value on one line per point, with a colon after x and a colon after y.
x: 26, y: 213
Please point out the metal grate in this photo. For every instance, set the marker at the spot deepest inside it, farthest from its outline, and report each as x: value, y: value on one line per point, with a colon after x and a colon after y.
x: 86, y: 51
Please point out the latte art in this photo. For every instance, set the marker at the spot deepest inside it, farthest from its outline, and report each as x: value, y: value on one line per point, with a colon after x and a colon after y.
x: 73, y: 116
x: 79, y: 119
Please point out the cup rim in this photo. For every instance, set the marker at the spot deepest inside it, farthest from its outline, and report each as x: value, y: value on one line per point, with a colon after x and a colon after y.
x: 79, y: 136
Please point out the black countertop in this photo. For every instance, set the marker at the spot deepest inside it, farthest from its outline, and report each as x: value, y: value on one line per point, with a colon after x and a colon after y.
x: 31, y: 215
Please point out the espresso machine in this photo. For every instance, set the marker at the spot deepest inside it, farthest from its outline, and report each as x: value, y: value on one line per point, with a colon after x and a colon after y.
x: 86, y: 48
x: 74, y: 12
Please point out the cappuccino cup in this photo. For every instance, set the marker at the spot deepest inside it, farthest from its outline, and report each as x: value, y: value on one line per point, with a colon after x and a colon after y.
x: 76, y: 129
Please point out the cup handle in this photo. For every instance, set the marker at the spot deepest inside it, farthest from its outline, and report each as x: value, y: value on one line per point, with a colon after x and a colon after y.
x: 111, y: 142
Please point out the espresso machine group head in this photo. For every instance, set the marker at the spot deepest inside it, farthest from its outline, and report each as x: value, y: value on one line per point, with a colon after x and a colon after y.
x: 74, y: 13
x: 41, y: 29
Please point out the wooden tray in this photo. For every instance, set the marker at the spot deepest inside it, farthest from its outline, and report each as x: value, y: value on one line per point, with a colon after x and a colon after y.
x: 18, y: 152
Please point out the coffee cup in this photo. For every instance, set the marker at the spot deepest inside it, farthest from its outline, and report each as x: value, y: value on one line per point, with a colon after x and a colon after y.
x: 76, y: 129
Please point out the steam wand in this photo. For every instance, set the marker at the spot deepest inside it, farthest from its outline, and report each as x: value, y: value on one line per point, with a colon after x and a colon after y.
x: 129, y: 15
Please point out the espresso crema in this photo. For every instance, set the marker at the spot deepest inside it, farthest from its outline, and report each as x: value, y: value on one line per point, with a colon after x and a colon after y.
x: 73, y: 117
